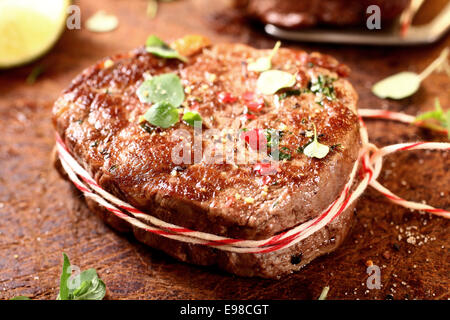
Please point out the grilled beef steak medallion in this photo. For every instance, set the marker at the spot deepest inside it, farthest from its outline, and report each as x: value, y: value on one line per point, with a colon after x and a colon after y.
x: 99, y: 119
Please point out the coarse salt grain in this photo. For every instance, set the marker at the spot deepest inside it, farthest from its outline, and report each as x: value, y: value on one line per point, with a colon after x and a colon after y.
x: 249, y: 200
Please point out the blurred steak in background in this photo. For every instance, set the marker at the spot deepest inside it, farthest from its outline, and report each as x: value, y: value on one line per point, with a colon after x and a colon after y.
x: 295, y: 14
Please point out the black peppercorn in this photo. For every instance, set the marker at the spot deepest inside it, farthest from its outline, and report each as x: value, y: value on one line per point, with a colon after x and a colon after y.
x: 296, y: 259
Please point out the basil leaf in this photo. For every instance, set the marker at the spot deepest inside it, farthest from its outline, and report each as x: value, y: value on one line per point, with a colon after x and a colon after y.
x: 97, y: 292
x: 20, y: 298
x: 447, y: 123
x: 163, y: 88
x: 154, y: 41
x: 436, y: 114
x: 271, y: 81
x: 85, y: 285
x: 264, y: 63
x: 323, y: 85
x: 315, y: 149
x: 405, y: 84
x: 162, y: 114
x: 191, y: 118
x: 260, y: 65
x: 397, y: 86
x: 65, y: 275
x: 88, y: 275
x: 156, y: 46
x: 92, y: 288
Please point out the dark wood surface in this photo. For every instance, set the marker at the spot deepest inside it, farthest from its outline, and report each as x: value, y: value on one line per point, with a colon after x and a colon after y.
x: 42, y: 216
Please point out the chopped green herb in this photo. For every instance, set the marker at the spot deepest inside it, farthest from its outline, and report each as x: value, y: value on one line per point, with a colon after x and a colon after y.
x: 34, y: 74
x: 156, y: 46
x: 289, y: 93
x: 146, y: 127
x: 335, y: 146
x: 269, y: 82
x: 264, y: 63
x: 283, y: 155
x: 323, y: 85
x: 192, y: 118
x: 163, y: 88
x: 302, y: 148
x: 273, y: 137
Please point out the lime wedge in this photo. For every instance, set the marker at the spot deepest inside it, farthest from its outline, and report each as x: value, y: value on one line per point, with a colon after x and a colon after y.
x: 29, y: 28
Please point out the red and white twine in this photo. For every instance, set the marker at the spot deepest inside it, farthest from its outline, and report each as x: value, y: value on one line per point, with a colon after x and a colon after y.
x: 370, y: 158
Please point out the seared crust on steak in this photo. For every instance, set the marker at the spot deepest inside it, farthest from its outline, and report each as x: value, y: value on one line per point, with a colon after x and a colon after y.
x: 97, y: 118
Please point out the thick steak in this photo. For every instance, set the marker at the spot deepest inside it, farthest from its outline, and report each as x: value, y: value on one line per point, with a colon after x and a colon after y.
x: 306, y: 13
x: 98, y: 118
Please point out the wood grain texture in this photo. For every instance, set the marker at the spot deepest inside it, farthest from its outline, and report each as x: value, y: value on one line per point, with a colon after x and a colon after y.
x: 41, y: 215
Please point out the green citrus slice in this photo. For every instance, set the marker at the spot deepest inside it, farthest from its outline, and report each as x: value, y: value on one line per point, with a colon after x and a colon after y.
x: 29, y: 28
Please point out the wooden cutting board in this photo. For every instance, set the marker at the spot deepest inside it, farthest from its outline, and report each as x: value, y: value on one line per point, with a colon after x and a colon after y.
x: 42, y: 216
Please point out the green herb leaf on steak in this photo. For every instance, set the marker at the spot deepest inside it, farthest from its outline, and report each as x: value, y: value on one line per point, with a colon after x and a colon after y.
x: 162, y: 114
x: 163, y: 88
x: 264, y: 63
x: 289, y: 93
x: 322, y: 86
x: 156, y: 46
x: 192, y: 118
x: 285, y: 154
x: 315, y: 149
x: 269, y: 82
